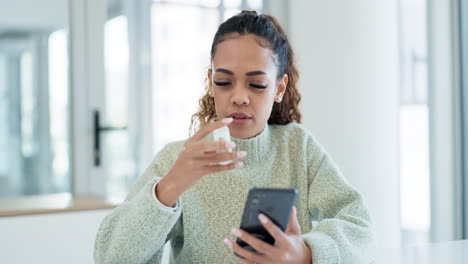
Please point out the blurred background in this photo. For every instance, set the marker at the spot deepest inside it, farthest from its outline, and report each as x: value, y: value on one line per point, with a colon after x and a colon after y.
x: 91, y: 90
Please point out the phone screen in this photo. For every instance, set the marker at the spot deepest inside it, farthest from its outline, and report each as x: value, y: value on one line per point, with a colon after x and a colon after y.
x: 276, y: 204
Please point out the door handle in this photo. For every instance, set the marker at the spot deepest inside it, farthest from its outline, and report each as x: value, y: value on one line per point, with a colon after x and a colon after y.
x: 98, y: 129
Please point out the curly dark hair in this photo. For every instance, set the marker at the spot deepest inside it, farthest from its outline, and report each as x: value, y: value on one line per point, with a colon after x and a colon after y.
x: 271, y: 35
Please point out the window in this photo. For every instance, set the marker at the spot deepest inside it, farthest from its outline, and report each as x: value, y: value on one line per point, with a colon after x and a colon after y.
x: 34, y: 112
x: 117, y: 143
x: 180, y: 62
x: 141, y: 73
x: 414, y: 125
x: 59, y: 109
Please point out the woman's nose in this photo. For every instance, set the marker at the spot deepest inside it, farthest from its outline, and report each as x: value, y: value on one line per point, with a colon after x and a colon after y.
x: 240, y: 97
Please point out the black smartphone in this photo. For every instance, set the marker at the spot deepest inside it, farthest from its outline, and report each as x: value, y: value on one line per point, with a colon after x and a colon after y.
x: 276, y: 204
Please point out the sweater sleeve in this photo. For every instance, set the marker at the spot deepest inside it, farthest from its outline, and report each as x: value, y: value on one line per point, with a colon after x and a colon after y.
x: 136, y: 231
x: 343, y: 232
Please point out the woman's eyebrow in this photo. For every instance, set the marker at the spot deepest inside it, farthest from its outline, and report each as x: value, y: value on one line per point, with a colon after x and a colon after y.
x: 224, y: 71
x: 253, y: 73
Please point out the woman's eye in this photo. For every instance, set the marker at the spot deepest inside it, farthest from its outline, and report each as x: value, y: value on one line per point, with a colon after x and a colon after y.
x: 258, y: 86
x: 222, y: 83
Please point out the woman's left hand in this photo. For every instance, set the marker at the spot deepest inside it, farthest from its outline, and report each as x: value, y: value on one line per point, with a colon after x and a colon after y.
x: 289, y: 246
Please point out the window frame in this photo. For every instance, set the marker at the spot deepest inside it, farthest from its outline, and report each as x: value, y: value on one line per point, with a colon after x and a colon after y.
x: 444, y: 121
x: 463, y: 51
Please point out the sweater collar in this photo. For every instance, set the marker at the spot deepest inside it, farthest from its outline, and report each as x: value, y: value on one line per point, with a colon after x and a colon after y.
x: 256, y: 147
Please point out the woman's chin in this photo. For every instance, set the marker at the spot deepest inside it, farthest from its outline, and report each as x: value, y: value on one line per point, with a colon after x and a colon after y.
x: 244, y: 132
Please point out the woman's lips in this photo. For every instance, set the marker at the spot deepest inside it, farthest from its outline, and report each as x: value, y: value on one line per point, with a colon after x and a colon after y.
x: 240, y: 118
x: 240, y: 121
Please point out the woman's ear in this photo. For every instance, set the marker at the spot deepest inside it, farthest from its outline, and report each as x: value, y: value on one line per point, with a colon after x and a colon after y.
x: 282, y: 84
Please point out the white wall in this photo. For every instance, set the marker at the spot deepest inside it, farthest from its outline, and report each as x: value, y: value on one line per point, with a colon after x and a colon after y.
x: 53, y: 239
x: 348, y: 58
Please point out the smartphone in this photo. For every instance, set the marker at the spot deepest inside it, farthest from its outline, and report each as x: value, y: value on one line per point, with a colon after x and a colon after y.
x: 276, y: 204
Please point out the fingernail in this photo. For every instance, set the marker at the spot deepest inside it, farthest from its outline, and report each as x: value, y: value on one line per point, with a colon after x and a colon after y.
x: 263, y: 218
x: 227, y: 242
x: 241, y: 154
x: 236, y: 232
x: 230, y: 145
x: 227, y: 120
x: 239, y: 164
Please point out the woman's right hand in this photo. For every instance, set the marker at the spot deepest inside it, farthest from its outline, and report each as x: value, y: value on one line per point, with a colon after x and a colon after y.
x: 197, y: 159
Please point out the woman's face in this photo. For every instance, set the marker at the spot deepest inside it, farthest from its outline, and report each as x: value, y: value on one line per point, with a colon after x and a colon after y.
x: 244, y: 85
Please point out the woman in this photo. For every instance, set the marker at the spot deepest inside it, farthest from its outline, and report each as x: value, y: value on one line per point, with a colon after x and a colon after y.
x: 188, y: 198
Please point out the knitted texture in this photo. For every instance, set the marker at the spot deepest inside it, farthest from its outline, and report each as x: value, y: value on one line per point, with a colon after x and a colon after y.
x: 333, y: 217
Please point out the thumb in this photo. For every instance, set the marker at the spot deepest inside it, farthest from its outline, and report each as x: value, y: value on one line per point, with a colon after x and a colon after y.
x: 293, y: 225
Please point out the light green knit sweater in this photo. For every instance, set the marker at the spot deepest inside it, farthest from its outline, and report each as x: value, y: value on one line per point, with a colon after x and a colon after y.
x: 332, y: 215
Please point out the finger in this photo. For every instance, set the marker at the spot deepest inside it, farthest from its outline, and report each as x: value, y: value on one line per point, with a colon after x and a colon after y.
x: 259, y: 245
x: 207, y: 129
x: 201, y: 149
x: 293, y: 225
x: 247, y: 262
x: 219, y: 167
x: 227, y: 156
x: 275, y: 231
x: 245, y: 254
